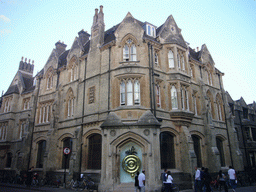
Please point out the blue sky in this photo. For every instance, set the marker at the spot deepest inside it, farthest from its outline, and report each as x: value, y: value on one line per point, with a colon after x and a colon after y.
x: 31, y: 28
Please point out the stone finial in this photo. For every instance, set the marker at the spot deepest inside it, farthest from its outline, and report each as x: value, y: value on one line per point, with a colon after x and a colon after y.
x: 96, y: 11
x: 32, y: 62
x: 25, y: 60
x: 22, y: 58
x: 101, y: 8
x: 29, y: 61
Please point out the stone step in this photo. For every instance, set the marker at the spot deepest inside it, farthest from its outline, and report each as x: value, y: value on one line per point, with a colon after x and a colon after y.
x: 125, y: 187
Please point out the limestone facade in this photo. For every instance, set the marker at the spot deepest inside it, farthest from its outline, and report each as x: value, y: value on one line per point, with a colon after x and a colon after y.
x: 133, y: 85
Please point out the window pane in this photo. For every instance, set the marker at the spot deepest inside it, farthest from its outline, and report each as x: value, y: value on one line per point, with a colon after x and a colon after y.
x: 149, y: 30
x: 126, y: 53
x: 170, y: 59
x: 129, y: 93
x: 136, y: 92
x: 122, y: 93
x: 174, y: 98
x: 133, y: 52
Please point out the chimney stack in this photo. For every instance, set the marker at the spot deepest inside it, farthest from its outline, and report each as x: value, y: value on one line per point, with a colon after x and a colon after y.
x: 60, y: 47
x: 26, y: 67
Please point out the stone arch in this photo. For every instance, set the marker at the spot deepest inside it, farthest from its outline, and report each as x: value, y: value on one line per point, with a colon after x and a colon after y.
x: 36, y: 140
x: 73, y: 61
x: 222, y: 146
x: 49, y: 71
x: 129, y: 36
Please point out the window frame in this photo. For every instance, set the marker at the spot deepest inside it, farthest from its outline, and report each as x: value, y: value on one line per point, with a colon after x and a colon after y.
x: 129, y: 95
x: 129, y: 51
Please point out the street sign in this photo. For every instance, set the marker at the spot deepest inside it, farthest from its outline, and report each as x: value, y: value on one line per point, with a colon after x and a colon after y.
x: 66, y: 150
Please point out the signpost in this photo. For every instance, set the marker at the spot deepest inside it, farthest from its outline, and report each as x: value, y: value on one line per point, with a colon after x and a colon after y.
x: 66, y: 152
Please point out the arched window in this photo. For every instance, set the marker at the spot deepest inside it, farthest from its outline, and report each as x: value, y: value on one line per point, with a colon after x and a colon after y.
x: 158, y: 96
x: 73, y: 75
x: 67, y: 142
x: 122, y: 93
x: 197, y: 149
x: 170, y: 59
x: 219, y: 144
x: 49, y: 82
x: 211, y: 104
x: 219, y: 108
x: 186, y: 98
x: 167, y: 151
x: 156, y: 59
x: 178, y: 60
x: 129, y: 51
x: 94, y: 153
x: 9, y: 160
x: 174, y: 97
x: 40, y: 153
x: 182, y: 63
x: 130, y: 92
x: 70, y: 100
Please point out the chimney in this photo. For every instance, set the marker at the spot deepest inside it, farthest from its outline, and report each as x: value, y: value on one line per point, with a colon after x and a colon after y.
x: 95, y: 17
x: 60, y: 47
x: 101, y: 15
x: 26, y: 67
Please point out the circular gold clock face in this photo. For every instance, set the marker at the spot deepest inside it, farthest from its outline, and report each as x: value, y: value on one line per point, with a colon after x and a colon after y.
x: 131, y: 164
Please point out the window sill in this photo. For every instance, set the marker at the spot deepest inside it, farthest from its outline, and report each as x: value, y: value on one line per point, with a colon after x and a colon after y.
x: 129, y: 62
x: 41, y: 124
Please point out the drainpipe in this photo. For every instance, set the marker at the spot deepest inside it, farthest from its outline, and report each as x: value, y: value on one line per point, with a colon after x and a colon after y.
x: 150, y: 79
x: 32, y: 133
x: 153, y: 80
x: 109, y: 59
x: 82, y: 131
x: 222, y: 92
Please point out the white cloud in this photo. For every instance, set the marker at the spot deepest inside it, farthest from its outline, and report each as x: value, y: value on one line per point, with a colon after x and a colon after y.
x: 5, y: 19
x: 5, y: 31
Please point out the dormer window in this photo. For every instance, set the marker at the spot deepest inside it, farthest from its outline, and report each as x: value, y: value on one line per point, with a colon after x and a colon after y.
x: 151, y: 31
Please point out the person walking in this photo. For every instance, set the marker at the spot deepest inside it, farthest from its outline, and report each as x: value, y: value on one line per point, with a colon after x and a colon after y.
x: 136, y: 184
x: 207, y: 180
x: 169, y: 182
x: 222, y: 181
x: 197, y: 180
x: 142, y: 179
x: 164, y: 178
x: 232, y: 178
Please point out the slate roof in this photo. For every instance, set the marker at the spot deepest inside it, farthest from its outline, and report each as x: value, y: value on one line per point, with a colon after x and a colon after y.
x: 63, y: 59
x: 193, y: 54
x: 28, y: 83
x: 12, y: 89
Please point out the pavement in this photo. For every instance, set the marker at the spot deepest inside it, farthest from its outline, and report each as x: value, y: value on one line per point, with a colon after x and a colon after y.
x: 5, y: 186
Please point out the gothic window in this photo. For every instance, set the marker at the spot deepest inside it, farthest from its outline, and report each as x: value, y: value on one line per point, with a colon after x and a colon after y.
x: 174, y: 97
x: 209, y: 77
x: 182, y: 99
x: 219, y: 143
x: 170, y: 59
x: 7, y: 104
x: 67, y: 142
x: 49, y: 82
x: 129, y: 51
x: 151, y: 30
x: 195, y: 103
x: 130, y: 92
x: 219, y: 108
x: 41, y: 146
x: 183, y: 63
x: 22, y: 128
x: 197, y: 149
x: 186, y: 99
x: 94, y: 153
x: 211, y: 104
x: 178, y: 60
x: 3, y: 130
x: 167, y: 151
x: 70, y: 100
x: 9, y: 160
x: 158, y: 96
x: 73, y: 75
x: 44, y: 112
x: 26, y: 103
x: 156, y: 61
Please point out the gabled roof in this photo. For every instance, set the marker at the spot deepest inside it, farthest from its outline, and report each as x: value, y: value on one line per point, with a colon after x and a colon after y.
x: 63, y: 59
x: 194, y: 54
x: 242, y: 102
x: 230, y: 100
x: 11, y: 90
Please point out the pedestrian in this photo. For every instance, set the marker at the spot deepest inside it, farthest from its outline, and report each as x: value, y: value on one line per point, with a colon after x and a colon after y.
x: 169, y: 182
x: 232, y: 178
x: 222, y: 181
x: 29, y: 176
x: 141, y: 179
x: 203, y: 188
x: 197, y: 180
x: 136, y: 184
x: 164, y: 178
x: 207, y: 180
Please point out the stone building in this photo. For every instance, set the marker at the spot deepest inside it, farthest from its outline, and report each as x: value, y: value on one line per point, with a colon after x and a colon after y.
x: 245, y: 126
x: 132, y: 97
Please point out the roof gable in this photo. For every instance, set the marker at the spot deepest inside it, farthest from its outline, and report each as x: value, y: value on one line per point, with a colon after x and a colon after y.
x: 169, y: 32
x: 205, y: 55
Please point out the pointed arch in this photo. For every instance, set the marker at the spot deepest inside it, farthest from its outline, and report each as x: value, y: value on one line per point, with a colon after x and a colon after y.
x: 70, y: 103
x: 129, y: 46
x: 211, y: 103
x: 219, y: 108
x: 73, y: 68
